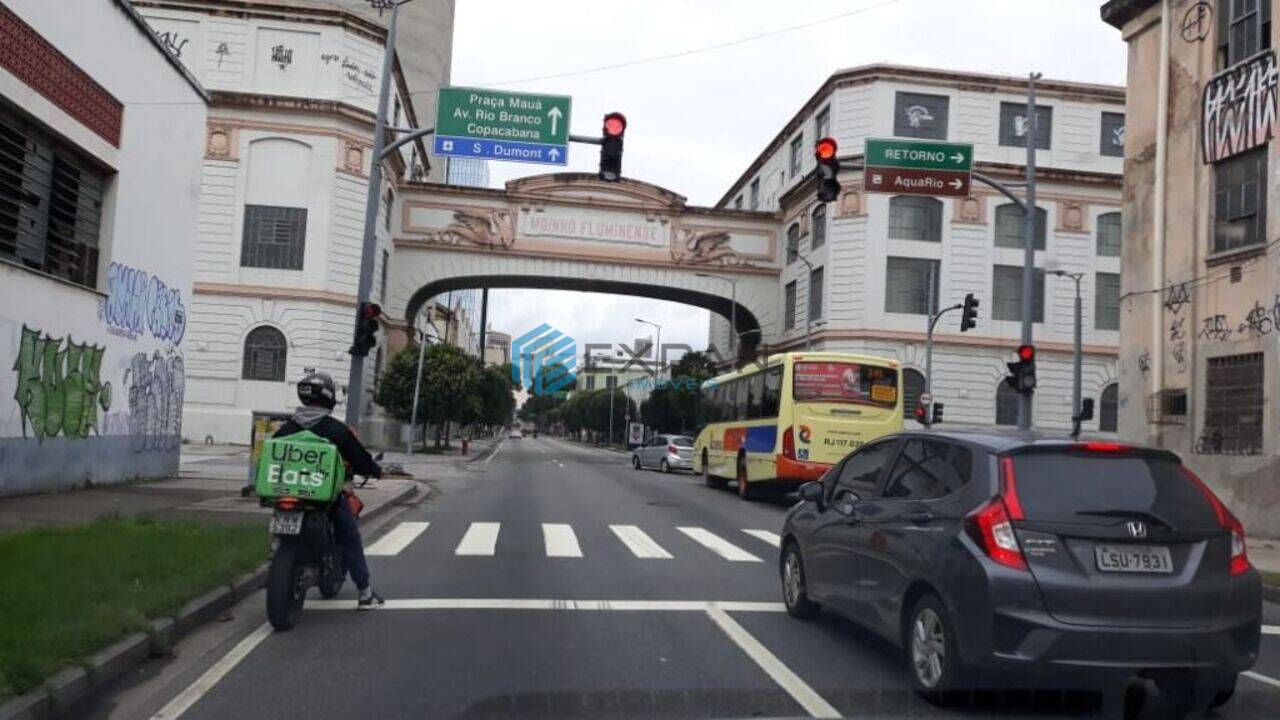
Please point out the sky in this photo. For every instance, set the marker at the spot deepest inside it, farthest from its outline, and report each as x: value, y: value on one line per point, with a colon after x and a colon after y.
x: 696, y: 120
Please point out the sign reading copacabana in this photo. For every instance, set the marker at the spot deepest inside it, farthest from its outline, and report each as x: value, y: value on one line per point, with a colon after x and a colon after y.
x: 502, y: 125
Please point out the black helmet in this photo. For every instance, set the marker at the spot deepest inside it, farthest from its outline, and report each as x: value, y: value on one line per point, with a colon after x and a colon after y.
x: 317, y: 388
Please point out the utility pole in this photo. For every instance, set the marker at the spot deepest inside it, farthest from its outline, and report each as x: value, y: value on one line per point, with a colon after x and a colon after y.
x: 1078, y: 360
x: 733, y: 310
x: 1029, y: 249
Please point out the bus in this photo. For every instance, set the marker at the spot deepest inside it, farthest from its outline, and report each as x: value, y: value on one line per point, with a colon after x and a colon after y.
x: 776, y: 423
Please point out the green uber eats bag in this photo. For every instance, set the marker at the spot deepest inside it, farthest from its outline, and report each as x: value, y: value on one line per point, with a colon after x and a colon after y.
x: 303, y: 465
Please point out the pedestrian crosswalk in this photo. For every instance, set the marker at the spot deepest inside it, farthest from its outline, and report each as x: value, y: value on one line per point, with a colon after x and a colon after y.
x: 561, y: 540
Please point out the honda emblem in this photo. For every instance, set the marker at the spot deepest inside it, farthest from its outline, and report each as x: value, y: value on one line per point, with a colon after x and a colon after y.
x: 1136, y: 528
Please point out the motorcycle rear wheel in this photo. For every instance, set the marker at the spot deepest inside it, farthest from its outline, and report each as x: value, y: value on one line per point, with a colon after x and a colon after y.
x: 331, y: 584
x: 285, y: 594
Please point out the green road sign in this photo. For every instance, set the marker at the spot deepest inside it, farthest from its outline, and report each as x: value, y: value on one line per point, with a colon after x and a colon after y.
x: 474, y: 122
x: 918, y: 167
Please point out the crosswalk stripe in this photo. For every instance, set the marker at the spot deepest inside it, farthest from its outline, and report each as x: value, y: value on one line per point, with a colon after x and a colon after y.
x: 770, y: 537
x: 639, y: 542
x: 481, y: 539
x: 560, y: 540
x: 718, y: 545
x: 398, y: 539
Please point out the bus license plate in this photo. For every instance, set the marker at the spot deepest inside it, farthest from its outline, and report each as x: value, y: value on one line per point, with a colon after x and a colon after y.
x: 286, y: 523
x: 1133, y: 558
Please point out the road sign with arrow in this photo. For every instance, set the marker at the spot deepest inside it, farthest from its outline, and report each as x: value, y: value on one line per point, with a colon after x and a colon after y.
x: 918, y: 167
x: 501, y: 125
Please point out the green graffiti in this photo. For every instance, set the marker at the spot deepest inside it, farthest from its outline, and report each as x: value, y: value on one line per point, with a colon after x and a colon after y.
x: 59, y: 392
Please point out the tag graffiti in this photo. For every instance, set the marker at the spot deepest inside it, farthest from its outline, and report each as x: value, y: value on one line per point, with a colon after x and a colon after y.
x: 59, y: 392
x: 138, y: 300
x: 1238, y: 108
x: 155, y: 387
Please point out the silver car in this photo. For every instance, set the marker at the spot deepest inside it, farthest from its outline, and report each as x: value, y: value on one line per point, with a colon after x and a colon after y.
x: 665, y: 452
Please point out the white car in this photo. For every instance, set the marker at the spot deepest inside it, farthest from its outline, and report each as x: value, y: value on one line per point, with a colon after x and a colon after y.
x: 665, y: 452
x: 515, y: 434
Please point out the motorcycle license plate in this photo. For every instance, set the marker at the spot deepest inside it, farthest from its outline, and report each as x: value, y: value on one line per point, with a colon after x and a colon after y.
x: 286, y: 522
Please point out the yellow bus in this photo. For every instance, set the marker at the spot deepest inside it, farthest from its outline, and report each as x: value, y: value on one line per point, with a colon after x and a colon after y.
x: 783, y: 421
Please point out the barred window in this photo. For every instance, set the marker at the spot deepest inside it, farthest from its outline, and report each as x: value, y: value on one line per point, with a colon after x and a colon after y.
x: 915, y: 218
x: 818, y: 233
x: 274, y: 237
x: 1234, y: 405
x: 1006, y: 404
x: 1006, y: 294
x: 1109, y: 234
x: 265, y: 351
x: 906, y: 288
x: 789, y: 306
x: 1011, y: 226
x: 815, y: 294
x: 1109, y: 410
x: 1106, y: 302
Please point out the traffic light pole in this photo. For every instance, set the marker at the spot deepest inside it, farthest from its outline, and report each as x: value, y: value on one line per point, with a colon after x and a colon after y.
x: 1029, y: 248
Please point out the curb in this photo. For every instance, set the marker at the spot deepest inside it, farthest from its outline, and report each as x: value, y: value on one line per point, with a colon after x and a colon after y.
x: 484, y: 455
x: 68, y: 689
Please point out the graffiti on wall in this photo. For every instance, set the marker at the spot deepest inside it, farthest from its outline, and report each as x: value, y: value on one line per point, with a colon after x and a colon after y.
x: 58, y: 387
x: 1238, y: 108
x: 1176, y: 297
x: 137, y: 300
x: 154, y: 385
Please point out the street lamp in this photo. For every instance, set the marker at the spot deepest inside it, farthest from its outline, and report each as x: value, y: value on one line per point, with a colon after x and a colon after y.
x: 657, y: 354
x: 417, y: 385
x: 733, y: 309
x: 1054, y: 268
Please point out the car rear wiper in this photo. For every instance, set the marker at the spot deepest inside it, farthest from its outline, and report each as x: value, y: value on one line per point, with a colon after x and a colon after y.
x: 1135, y: 514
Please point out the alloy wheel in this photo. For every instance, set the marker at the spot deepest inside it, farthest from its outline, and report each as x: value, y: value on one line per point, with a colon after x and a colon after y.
x: 928, y: 648
x: 792, y: 579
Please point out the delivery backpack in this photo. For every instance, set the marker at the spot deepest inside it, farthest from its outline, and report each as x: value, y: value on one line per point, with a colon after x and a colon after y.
x: 303, y: 465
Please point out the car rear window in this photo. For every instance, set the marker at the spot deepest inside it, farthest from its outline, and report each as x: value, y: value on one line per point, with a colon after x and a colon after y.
x: 1069, y: 487
x: 682, y: 441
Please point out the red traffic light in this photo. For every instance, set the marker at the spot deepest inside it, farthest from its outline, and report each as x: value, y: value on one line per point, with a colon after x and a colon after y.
x: 825, y: 149
x: 371, y: 311
x: 615, y: 124
x: 1026, y: 353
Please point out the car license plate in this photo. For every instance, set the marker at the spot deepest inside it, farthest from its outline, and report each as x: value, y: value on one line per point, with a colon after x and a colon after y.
x: 286, y: 523
x: 1133, y: 558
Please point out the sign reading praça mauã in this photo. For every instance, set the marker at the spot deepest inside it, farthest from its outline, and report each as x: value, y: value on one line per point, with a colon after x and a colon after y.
x: 918, y: 167
x: 500, y: 125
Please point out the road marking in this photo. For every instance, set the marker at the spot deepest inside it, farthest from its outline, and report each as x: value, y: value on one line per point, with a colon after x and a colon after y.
x: 798, y: 689
x: 560, y: 540
x: 1271, y: 629
x: 480, y: 539
x: 639, y: 542
x: 770, y: 537
x: 397, y: 539
x: 1261, y: 678
x: 718, y: 545
x: 501, y: 442
x: 196, y: 690
x: 558, y: 604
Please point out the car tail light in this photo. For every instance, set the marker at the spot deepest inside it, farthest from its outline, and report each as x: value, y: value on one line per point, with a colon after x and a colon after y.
x: 1239, y: 554
x: 673, y: 450
x: 789, y: 443
x: 1103, y: 447
x: 991, y: 525
x: 286, y: 503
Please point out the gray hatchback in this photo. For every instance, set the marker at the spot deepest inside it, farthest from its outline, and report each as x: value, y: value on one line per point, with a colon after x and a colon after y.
x: 1081, y: 563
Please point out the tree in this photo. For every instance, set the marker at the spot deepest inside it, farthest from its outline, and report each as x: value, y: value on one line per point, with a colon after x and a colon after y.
x: 448, y: 389
x: 673, y: 405
x: 494, y: 388
x: 598, y: 412
x: 697, y: 365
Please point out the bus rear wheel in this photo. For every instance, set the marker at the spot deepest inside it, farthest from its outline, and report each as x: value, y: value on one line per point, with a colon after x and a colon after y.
x: 708, y: 479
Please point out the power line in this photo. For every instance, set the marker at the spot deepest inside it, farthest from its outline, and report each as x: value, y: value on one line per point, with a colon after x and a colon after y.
x: 1208, y: 278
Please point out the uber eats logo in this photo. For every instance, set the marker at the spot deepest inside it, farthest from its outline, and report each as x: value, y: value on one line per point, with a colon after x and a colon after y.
x: 295, y: 466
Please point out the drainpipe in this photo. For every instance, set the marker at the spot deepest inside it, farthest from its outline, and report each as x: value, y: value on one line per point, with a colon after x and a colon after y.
x: 1157, y: 254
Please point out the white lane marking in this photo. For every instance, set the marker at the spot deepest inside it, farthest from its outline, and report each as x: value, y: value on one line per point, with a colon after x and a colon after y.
x: 501, y: 442
x: 557, y: 604
x: 798, y: 689
x: 639, y: 542
x: 718, y: 545
x: 1261, y: 678
x: 770, y: 537
x: 196, y: 690
x: 397, y: 539
x: 560, y: 540
x: 1271, y: 629
x: 480, y: 539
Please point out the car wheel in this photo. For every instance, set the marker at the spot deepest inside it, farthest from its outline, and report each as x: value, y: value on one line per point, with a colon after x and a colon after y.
x: 708, y: 479
x: 665, y: 466
x: 795, y: 594
x: 635, y: 462
x: 745, y: 491
x: 932, y: 661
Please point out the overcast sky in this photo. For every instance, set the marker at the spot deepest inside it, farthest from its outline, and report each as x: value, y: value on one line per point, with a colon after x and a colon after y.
x: 696, y: 121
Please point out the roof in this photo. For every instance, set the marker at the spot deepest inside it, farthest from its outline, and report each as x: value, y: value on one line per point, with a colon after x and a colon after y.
x: 147, y: 30
x: 1002, y: 440
x: 1118, y: 12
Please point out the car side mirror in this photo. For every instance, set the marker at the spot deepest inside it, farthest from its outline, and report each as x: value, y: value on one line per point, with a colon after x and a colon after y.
x: 813, y: 492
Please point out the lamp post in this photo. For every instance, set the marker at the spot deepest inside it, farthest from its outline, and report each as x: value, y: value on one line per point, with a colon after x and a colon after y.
x: 733, y: 309
x: 657, y: 354
x: 417, y: 387
x: 1077, y: 361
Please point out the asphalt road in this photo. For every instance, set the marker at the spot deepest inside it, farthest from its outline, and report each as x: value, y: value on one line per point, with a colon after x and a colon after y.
x: 553, y: 581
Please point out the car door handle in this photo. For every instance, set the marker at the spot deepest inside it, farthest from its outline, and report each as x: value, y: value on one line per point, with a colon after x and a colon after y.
x: 919, y: 517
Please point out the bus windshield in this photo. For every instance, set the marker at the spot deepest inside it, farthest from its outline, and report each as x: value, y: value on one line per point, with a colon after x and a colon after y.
x: 844, y: 382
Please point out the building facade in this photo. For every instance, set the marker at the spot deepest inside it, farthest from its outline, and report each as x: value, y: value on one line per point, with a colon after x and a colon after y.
x: 497, y: 347
x: 1201, y: 283
x: 859, y: 277
x: 287, y: 156
x: 99, y: 201
x: 468, y: 172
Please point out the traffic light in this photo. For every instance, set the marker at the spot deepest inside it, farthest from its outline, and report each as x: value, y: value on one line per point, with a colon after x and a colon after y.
x: 937, y: 413
x: 969, y: 313
x: 1022, y: 372
x: 615, y: 126
x: 366, y: 329
x: 824, y: 151
x: 922, y: 414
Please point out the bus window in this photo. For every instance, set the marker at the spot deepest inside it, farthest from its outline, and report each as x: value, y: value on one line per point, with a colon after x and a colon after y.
x: 740, y: 403
x: 844, y: 382
x: 772, y: 392
x: 755, y: 394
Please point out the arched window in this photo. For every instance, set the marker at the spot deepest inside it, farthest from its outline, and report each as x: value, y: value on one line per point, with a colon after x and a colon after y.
x: 265, y: 350
x: 1009, y: 226
x: 1110, y: 406
x: 912, y: 386
x: 1006, y: 405
x: 819, y: 237
x: 793, y: 242
x: 915, y: 218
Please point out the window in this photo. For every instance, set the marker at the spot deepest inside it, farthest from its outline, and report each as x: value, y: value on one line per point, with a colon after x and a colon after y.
x: 742, y: 398
x: 928, y: 469
x: 1234, y: 405
x: 265, y: 351
x: 818, y: 228
x: 815, y: 293
x: 591, y: 382
x: 274, y: 237
x: 1006, y: 404
x: 906, y: 287
x: 1014, y: 125
x: 755, y: 396
x: 382, y: 288
x: 920, y: 116
x: 794, y: 160
x: 861, y: 470
x: 912, y: 388
x: 50, y: 204
x: 822, y: 124
x: 789, y: 307
x: 1111, y: 141
x: 915, y: 218
x: 1240, y: 201
x: 387, y: 202
x: 772, y: 392
x: 1010, y: 226
x: 793, y: 242
x: 1109, y: 234
x: 1244, y: 28
x: 737, y: 203
x: 754, y: 193
x: 1006, y: 294
x: 1107, y: 414
x: 1106, y: 302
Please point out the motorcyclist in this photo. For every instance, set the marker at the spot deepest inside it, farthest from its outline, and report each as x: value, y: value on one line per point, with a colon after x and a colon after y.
x: 318, y: 395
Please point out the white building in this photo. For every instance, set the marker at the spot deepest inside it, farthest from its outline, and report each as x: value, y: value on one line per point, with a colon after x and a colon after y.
x: 872, y: 254
x: 101, y: 135
x: 286, y: 165
x: 468, y: 172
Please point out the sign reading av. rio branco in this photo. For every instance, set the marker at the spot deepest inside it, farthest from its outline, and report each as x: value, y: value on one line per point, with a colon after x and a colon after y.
x: 500, y: 125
